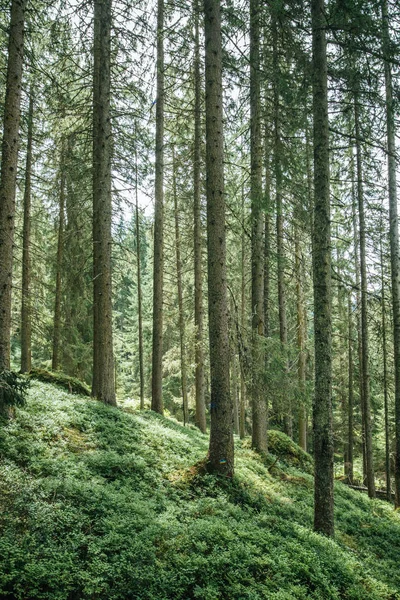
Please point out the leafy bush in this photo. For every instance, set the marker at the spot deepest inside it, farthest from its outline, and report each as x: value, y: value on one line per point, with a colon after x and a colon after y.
x: 73, y: 385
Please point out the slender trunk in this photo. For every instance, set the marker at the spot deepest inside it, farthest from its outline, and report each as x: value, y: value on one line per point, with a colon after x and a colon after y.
x: 8, y: 173
x: 259, y: 406
x: 59, y: 261
x: 103, y: 386
x: 26, y: 313
x: 385, y: 382
x: 242, y: 419
x: 301, y: 341
x: 364, y: 311
x: 156, y: 382
x: 393, y: 234
x: 322, y: 412
x: 234, y: 377
x: 180, y: 297
x: 139, y: 286
x: 350, y: 402
x: 288, y: 420
x: 221, y: 452
x: 198, y: 274
x: 341, y: 352
x: 358, y: 307
x: 267, y: 237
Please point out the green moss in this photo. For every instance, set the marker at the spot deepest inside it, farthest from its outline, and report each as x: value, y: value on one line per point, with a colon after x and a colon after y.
x: 98, y: 502
x: 73, y: 385
x: 283, y: 447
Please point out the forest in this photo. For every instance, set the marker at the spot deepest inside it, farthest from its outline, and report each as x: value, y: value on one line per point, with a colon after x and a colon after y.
x: 199, y: 299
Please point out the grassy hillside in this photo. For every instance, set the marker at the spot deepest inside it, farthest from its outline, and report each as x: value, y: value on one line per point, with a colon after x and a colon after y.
x: 102, y: 503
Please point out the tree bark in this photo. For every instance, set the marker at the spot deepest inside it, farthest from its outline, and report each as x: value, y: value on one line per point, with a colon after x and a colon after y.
x: 259, y: 406
x: 139, y: 287
x: 350, y: 402
x: 242, y: 413
x: 287, y: 409
x: 198, y: 274
x: 59, y: 264
x: 221, y: 452
x: 301, y: 341
x: 103, y: 386
x: 156, y: 381
x: 393, y: 235
x: 385, y: 382
x: 26, y: 307
x: 322, y: 410
x: 185, y: 405
x: 358, y: 306
x: 8, y: 173
x: 364, y: 309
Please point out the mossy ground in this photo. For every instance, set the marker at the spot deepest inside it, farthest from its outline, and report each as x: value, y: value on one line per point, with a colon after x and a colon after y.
x: 103, y: 503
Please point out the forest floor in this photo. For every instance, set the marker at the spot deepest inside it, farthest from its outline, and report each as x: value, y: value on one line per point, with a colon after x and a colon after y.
x: 103, y: 503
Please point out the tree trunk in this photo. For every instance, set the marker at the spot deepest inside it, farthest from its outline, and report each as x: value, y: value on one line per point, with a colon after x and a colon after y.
x: 364, y: 311
x: 267, y: 238
x: 287, y: 416
x: 385, y: 382
x: 322, y: 412
x: 198, y: 274
x: 103, y: 386
x: 301, y: 341
x: 242, y: 415
x: 185, y: 405
x: 8, y: 173
x: 259, y: 406
x: 221, y: 452
x: 350, y: 402
x: 358, y: 306
x: 393, y: 234
x: 156, y: 381
x: 26, y: 308
x: 139, y: 287
x: 59, y: 264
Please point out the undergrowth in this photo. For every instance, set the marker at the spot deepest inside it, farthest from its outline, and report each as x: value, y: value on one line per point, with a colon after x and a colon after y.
x: 104, y: 503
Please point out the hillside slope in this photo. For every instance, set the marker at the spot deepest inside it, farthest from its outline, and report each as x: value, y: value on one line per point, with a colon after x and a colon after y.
x: 101, y: 503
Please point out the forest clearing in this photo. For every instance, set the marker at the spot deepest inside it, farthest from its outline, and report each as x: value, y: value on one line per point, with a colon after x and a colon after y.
x: 199, y: 299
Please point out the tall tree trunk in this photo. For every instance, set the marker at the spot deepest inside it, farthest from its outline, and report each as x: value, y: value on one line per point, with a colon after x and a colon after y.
x: 8, y: 173
x: 259, y: 406
x: 341, y: 351
x: 358, y: 305
x: 288, y: 420
x: 393, y: 234
x: 242, y: 414
x: 350, y: 401
x: 59, y: 263
x: 267, y: 237
x: 139, y: 285
x: 221, y: 452
x: 26, y: 307
x: 156, y: 381
x: 322, y: 411
x: 301, y: 341
x: 198, y: 274
x: 180, y: 297
x: 385, y: 382
x: 103, y: 386
x: 364, y: 312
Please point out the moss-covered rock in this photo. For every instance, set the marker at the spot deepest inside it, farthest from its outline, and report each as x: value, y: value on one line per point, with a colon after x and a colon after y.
x: 71, y: 384
x: 284, y: 448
